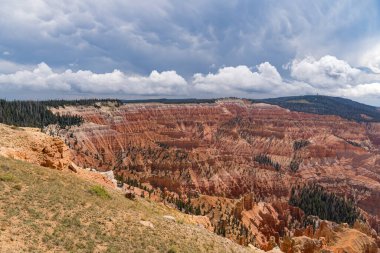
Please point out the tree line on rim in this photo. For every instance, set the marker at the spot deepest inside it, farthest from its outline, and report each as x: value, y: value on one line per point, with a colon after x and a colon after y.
x: 37, y: 113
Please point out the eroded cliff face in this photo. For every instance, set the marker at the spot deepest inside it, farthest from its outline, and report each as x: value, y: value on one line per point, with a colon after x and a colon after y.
x: 211, y: 149
x: 29, y: 144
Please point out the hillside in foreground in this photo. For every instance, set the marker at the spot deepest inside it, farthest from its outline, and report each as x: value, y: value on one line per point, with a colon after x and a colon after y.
x: 45, y: 210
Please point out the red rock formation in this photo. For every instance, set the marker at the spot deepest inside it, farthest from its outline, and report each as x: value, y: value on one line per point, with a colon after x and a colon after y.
x: 29, y: 144
x: 210, y: 148
x: 271, y: 220
x: 340, y: 238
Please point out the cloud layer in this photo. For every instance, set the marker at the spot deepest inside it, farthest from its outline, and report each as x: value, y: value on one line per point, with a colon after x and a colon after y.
x: 189, y: 37
x: 239, y: 79
x: 43, y: 78
x: 198, y: 48
x: 327, y: 75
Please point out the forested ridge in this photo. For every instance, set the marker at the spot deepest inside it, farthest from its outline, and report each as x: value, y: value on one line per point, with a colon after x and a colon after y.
x: 37, y: 113
x: 33, y: 114
x: 326, y: 105
x: 81, y: 102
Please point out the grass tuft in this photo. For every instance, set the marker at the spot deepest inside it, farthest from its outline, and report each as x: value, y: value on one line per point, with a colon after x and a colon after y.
x: 7, y: 177
x: 172, y: 250
x: 100, y: 192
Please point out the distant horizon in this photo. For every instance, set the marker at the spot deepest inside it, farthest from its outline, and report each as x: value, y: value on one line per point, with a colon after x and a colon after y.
x: 180, y: 98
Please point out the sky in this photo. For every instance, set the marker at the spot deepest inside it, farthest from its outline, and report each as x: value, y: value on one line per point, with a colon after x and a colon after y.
x: 200, y: 49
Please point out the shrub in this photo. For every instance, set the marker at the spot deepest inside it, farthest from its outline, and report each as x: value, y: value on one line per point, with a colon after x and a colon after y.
x: 100, y: 192
x: 17, y: 187
x: 130, y: 195
x: 172, y: 250
x: 5, y: 168
x: 7, y: 177
x: 299, y: 144
x: 294, y: 165
x: 354, y: 143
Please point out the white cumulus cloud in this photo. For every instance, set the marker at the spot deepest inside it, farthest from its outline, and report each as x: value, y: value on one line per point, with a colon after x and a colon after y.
x: 371, y: 59
x: 326, y: 72
x: 42, y: 77
x: 331, y: 76
x: 361, y: 90
x: 239, y: 79
x: 327, y: 75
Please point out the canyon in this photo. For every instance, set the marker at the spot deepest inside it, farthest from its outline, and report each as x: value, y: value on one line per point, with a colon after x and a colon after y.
x: 210, y: 150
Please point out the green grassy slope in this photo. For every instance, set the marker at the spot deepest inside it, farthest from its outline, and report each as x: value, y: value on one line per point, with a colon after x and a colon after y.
x: 43, y: 210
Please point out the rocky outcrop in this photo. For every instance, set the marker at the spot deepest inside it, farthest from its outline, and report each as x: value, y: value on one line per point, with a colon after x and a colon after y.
x: 277, y: 225
x: 341, y: 238
x: 302, y: 244
x: 31, y: 145
x: 211, y: 149
x: 271, y: 220
x: 330, y: 237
